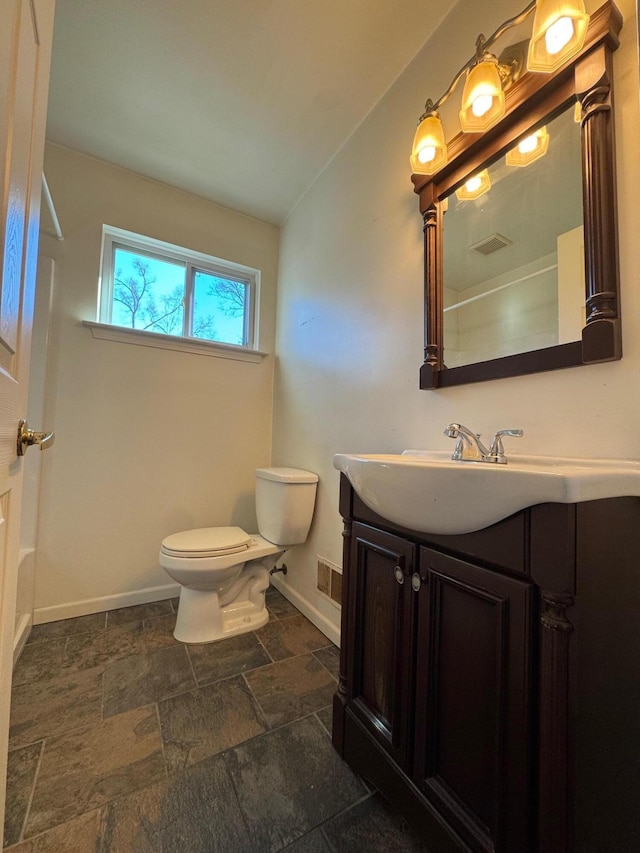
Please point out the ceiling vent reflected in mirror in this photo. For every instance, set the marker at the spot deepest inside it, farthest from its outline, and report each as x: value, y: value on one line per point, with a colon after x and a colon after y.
x: 491, y: 244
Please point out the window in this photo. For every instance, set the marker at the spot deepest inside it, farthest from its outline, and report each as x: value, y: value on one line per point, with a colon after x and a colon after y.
x: 155, y: 287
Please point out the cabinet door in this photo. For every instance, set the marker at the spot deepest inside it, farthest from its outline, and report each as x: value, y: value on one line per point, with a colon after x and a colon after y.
x: 379, y: 685
x: 474, y: 731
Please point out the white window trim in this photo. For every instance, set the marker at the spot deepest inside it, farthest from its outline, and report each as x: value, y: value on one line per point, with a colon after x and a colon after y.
x: 192, y: 259
x: 199, y: 346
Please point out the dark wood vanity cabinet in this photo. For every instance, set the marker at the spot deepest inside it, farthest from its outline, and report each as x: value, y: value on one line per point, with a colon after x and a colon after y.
x: 490, y: 682
x: 384, y: 623
x: 473, y: 700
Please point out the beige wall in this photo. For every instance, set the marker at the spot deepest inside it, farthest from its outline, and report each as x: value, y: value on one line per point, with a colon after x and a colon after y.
x: 349, y: 340
x: 148, y: 441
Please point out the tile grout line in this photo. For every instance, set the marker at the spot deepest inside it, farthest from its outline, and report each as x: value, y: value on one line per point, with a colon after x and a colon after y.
x: 193, y: 671
x: 322, y: 724
x: 264, y: 648
x: 33, y: 838
x: 54, y: 735
x: 222, y: 755
x: 164, y: 754
x: 275, y: 729
x: 263, y: 714
x: 324, y: 665
x: 326, y: 838
x: 32, y: 794
x: 322, y: 826
x: 102, y: 687
x: 75, y: 728
x: 102, y: 815
x: 206, y: 683
x: 245, y: 818
x: 102, y: 808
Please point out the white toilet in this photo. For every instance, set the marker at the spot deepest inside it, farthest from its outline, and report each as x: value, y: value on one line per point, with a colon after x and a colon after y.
x: 224, y: 572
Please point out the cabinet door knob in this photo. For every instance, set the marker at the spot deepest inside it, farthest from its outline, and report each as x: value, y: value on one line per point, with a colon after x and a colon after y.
x: 416, y: 582
x: 399, y: 574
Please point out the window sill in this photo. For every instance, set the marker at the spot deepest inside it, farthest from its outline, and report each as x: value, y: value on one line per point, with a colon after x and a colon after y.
x: 107, y: 332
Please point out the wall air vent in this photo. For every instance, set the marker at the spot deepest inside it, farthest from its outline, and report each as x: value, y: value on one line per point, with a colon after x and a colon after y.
x: 491, y: 244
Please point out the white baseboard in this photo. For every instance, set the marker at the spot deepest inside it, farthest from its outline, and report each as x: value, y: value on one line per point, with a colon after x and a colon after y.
x: 158, y: 593
x: 319, y: 620
x: 107, y: 602
x: 21, y: 636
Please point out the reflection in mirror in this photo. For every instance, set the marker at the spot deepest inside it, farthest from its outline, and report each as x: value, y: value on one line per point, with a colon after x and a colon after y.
x: 513, y: 250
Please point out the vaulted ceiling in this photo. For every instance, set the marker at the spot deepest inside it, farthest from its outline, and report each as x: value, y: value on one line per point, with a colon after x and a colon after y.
x: 241, y: 101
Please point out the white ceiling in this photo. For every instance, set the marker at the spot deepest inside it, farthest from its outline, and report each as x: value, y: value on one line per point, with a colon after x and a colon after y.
x: 240, y: 101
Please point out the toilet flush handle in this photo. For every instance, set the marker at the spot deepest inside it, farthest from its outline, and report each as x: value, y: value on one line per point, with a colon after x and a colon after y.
x: 27, y: 437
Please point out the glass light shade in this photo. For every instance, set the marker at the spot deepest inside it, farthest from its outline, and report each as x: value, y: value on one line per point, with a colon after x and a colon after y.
x: 429, y: 151
x: 559, y: 31
x: 482, y: 97
x: 529, y: 149
x: 475, y: 186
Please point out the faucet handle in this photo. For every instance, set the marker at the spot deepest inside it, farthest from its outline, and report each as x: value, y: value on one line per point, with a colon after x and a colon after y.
x: 497, y: 449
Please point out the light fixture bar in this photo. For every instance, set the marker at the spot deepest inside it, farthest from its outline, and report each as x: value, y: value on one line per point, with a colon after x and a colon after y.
x: 482, y: 46
x: 559, y: 29
x: 511, y: 22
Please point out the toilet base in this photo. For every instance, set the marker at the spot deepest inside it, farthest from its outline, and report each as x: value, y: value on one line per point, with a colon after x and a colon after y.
x: 203, y: 617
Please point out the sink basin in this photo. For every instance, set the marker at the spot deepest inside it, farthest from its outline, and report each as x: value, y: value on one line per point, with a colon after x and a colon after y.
x: 425, y: 490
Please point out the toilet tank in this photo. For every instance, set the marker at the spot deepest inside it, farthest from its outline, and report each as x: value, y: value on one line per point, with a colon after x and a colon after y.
x: 285, y: 498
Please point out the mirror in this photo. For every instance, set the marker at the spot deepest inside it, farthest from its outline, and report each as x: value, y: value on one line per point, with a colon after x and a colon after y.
x: 522, y: 276
x: 513, y: 257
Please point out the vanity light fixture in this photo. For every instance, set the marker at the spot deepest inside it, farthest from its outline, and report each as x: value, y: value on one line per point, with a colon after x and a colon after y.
x: 558, y: 34
x: 559, y: 30
x: 482, y: 96
x: 529, y: 149
x: 474, y: 186
x: 429, y: 148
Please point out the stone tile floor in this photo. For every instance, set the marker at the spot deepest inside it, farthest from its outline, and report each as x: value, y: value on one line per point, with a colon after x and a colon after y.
x: 124, y: 740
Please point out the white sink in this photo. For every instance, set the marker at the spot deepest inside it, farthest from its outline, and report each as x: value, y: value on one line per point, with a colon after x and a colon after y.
x: 425, y: 490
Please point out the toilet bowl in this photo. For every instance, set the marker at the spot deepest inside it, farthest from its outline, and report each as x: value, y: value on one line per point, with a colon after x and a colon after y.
x: 224, y: 571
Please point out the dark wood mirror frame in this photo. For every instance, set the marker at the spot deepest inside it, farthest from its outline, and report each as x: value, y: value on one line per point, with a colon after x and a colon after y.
x: 531, y: 100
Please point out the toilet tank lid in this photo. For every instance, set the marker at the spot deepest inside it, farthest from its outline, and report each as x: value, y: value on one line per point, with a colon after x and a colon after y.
x: 287, y: 475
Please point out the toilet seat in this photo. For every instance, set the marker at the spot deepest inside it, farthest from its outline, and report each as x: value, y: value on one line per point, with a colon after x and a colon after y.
x: 206, y: 542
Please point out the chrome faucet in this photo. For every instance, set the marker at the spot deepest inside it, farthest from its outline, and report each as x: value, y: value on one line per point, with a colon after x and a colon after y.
x: 469, y: 448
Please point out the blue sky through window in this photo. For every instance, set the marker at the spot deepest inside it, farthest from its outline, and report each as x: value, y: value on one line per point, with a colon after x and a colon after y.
x: 149, y: 294
x: 228, y: 315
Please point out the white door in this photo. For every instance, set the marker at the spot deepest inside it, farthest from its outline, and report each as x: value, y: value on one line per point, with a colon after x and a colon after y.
x: 26, y: 28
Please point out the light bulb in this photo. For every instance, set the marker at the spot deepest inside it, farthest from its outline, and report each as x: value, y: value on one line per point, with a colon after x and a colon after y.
x: 427, y: 154
x: 481, y: 105
x: 529, y: 149
x: 558, y: 35
x: 529, y: 144
x: 429, y: 150
x: 475, y: 186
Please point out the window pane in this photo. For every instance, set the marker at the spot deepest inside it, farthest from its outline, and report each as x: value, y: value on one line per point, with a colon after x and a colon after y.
x: 220, y: 307
x: 148, y: 293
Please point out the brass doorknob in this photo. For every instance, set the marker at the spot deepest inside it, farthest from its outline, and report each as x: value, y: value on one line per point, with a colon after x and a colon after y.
x: 27, y: 437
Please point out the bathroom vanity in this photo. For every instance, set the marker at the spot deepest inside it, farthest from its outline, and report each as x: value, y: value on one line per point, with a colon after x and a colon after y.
x: 490, y: 681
